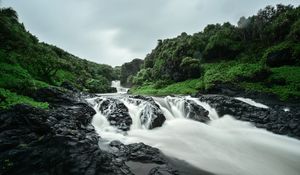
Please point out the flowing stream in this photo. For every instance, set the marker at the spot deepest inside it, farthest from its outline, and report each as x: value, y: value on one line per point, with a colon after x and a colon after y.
x: 222, y: 146
x: 117, y: 84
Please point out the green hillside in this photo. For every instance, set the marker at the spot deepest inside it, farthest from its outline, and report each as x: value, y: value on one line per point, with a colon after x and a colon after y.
x: 261, y: 53
x: 27, y: 64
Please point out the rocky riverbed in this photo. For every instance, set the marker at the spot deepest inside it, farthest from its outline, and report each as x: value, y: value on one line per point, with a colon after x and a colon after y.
x: 62, y: 140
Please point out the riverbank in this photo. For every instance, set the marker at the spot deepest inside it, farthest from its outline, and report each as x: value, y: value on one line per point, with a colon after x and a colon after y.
x: 62, y: 140
x: 232, y: 78
x: 66, y: 142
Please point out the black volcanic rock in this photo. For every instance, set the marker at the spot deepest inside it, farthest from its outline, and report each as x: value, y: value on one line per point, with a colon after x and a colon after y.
x: 196, y: 112
x: 151, y: 113
x: 116, y: 113
x: 56, y: 96
x: 58, y: 141
x: 61, y: 140
x: 274, y: 118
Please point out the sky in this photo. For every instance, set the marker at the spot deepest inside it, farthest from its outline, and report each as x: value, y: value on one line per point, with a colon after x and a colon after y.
x: 117, y: 31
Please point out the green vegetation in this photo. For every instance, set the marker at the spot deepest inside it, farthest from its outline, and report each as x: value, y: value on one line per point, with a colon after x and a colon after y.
x: 8, y: 99
x: 128, y: 70
x: 261, y: 53
x: 27, y: 64
x: 284, y: 81
x: 185, y: 87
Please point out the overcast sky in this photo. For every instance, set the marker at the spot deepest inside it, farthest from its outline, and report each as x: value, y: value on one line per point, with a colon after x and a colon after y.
x: 116, y: 31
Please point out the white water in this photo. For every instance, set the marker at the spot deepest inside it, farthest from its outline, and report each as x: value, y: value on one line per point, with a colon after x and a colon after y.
x: 117, y: 84
x: 252, y: 102
x: 224, y: 146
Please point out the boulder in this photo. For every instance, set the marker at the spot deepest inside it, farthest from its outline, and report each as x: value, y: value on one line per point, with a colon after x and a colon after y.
x: 151, y: 116
x: 56, y: 96
x: 57, y: 141
x: 116, y: 113
x: 196, y: 112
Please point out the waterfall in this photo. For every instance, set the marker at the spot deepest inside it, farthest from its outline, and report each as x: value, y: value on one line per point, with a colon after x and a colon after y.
x: 223, y: 145
x: 117, y: 84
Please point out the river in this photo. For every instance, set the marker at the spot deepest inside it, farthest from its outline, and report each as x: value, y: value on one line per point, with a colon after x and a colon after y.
x: 223, y: 145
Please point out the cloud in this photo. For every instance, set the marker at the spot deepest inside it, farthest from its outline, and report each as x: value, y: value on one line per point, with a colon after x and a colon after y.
x: 116, y: 31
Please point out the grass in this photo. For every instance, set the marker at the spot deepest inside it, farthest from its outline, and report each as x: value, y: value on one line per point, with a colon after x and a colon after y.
x: 8, y: 99
x: 283, y: 81
x: 185, y: 87
x: 228, y: 72
x: 17, y: 79
x: 63, y: 75
x: 14, y: 81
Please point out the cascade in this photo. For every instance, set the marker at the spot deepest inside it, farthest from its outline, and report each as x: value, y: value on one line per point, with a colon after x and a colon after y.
x: 117, y: 84
x: 222, y: 145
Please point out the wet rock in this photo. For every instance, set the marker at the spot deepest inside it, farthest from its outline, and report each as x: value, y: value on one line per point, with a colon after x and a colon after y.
x: 273, y: 118
x: 56, y: 141
x: 196, y: 112
x: 163, y: 171
x: 138, y: 152
x: 116, y: 113
x: 151, y: 116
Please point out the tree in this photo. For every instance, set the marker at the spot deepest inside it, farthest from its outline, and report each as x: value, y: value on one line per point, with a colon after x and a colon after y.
x: 191, y: 67
x: 130, y: 69
x: 144, y: 75
x: 9, y: 12
x: 224, y: 44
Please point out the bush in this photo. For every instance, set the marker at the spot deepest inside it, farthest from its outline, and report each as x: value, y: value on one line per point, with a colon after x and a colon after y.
x: 162, y: 83
x: 191, y: 67
x: 143, y: 76
x: 15, y: 78
x: 8, y: 99
x: 282, y: 54
x: 295, y: 31
x: 232, y: 71
x: 99, y: 85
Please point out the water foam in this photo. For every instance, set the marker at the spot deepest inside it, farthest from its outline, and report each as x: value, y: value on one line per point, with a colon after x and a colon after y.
x: 223, y: 146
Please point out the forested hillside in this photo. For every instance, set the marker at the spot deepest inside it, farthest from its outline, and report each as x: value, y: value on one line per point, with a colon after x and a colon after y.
x: 260, y: 53
x: 128, y: 70
x: 27, y: 64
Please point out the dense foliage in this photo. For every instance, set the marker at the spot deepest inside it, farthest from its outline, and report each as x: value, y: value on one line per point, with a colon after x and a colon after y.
x: 27, y: 64
x: 251, y: 55
x: 128, y: 70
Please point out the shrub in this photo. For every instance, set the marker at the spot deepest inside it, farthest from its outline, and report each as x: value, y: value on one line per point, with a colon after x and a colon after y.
x: 282, y: 54
x: 191, y: 67
x: 143, y: 76
x: 99, y: 85
x: 8, y: 99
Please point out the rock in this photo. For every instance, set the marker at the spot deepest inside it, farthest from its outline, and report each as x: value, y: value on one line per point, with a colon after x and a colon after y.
x: 196, y: 112
x: 116, y: 113
x: 151, y: 116
x: 57, y: 141
x: 138, y: 152
x: 273, y: 118
x: 56, y: 96
x: 61, y: 140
